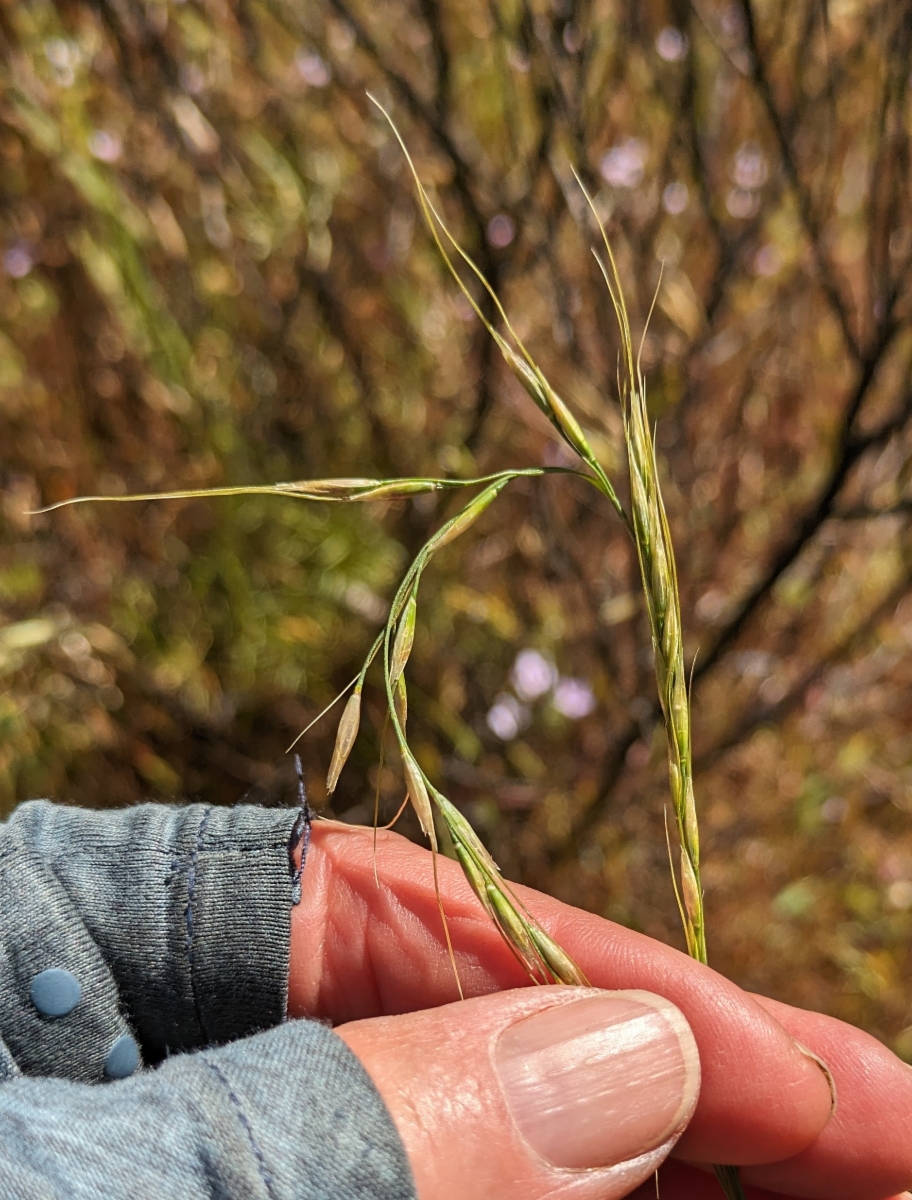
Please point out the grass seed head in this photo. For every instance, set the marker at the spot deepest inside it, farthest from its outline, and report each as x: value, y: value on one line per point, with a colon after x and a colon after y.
x: 568, y: 425
x: 469, y: 515
x: 346, y: 734
x: 690, y: 892
x: 655, y: 553
x: 330, y: 487
x: 405, y: 638
x: 472, y: 872
x: 418, y: 794
x: 550, y: 403
x: 513, y: 927
x: 558, y: 962
x: 530, y: 381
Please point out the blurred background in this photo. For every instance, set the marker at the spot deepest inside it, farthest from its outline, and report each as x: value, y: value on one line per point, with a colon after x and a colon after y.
x: 212, y: 271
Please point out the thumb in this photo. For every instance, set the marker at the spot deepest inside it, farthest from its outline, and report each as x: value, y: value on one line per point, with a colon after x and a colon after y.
x: 544, y: 1092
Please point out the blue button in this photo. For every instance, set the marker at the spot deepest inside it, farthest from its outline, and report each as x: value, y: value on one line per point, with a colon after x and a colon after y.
x: 123, y: 1058
x: 55, y: 992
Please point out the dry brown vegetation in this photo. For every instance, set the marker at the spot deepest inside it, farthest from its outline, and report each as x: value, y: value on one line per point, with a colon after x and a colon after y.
x: 214, y: 272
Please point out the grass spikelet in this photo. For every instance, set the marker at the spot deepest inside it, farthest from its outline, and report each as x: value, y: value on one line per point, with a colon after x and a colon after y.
x: 562, y: 967
x: 346, y: 734
x: 467, y: 518
x: 405, y: 637
x: 418, y: 794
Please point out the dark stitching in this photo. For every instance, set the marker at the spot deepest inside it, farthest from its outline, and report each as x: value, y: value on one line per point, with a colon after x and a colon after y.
x: 257, y: 1152
x: 300, y: 836
x: 188, y: 914
x: 257, y: 847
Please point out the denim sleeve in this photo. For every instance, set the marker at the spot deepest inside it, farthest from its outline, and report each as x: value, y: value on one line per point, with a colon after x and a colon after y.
x: 285, y: 1115
x: 134, y: 937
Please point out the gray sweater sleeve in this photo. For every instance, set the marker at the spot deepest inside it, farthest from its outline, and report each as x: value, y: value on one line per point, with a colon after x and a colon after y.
x: 129, y: 936
x: 285, y: 1115
x: 186, y: 910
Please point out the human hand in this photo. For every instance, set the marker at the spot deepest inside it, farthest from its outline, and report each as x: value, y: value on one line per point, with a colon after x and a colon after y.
x: 484, y: 1110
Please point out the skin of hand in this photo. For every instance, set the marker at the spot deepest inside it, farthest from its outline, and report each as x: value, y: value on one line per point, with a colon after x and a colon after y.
x: 520, y: 1092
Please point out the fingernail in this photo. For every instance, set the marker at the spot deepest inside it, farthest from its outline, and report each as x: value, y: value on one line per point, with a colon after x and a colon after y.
x: 600, y: 1080
x: 828, y: 1074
